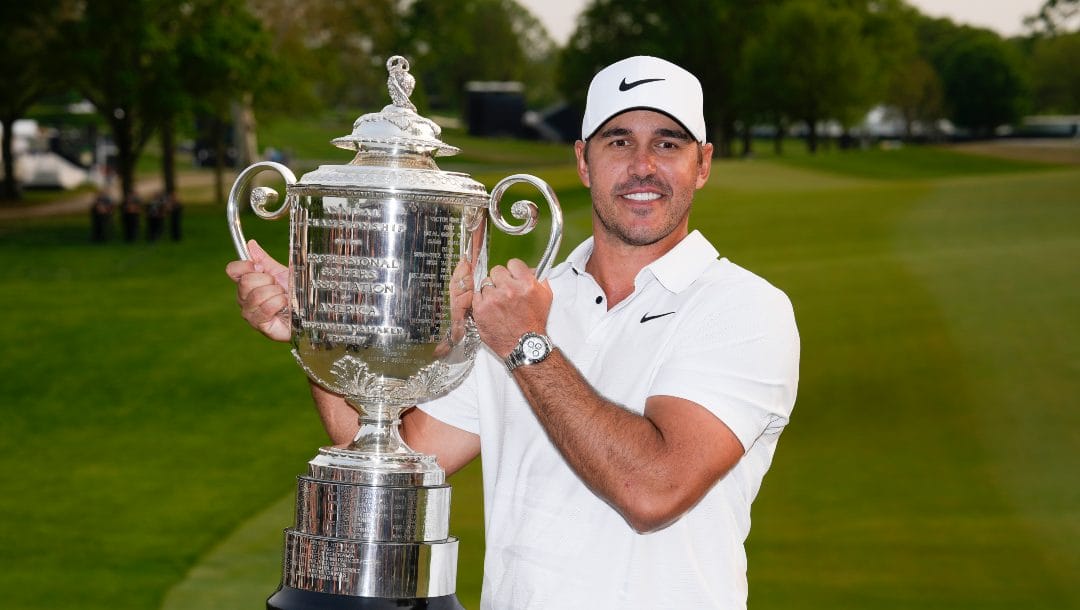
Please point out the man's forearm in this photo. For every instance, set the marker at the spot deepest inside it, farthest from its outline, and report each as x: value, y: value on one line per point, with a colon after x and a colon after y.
x: 338, y: 418
x: 620, y: 455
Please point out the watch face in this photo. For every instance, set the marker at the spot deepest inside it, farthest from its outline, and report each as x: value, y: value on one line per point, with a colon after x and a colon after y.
x: 534, y: 348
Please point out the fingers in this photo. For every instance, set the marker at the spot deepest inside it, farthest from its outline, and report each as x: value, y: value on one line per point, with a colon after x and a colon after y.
x: 518, y: 268
x: 263, y: 300
x: 265, y: 307
x: 501, y: 276
x: 462, y: 279
x: 263, y: 304
x: 237, y: 269
x: 250, y: 282
x: 516, y: 277
x: 266, y: 263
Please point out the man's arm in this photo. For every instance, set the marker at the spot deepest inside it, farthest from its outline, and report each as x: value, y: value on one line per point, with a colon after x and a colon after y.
x: 652, y: 467
x: 453, y: 447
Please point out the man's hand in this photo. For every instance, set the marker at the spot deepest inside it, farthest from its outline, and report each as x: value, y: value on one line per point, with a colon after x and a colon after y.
x: 262, y: 292
x: 510, y: 303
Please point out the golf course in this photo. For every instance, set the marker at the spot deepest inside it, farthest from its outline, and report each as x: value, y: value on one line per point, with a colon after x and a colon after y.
x: 150, y: 439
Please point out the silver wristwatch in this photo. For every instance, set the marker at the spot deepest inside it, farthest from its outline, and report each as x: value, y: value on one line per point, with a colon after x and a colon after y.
x: 531, y: 348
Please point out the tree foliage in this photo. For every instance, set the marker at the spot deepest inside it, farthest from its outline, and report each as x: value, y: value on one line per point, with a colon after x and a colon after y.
x: 1055, y: 78
x: 116, y: 55
x: 1055, y: 17
x: 29, y: 39
x: 818, y: 61
x: 452, y: 43
x: 983, y: 83
x: 336, y: 51
x: 143, y: 63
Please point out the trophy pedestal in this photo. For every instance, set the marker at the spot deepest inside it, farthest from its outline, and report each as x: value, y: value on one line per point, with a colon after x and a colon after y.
x: 371, y: 532
x: 287, y: 598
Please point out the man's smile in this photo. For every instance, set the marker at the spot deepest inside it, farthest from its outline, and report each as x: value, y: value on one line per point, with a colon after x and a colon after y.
x: 643, y: 196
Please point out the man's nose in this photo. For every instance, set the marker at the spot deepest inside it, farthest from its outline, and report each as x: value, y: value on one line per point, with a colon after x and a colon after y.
x: 643, y: 163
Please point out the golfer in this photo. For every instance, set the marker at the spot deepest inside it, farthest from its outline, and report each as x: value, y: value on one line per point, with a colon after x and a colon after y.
x: 625, y: 410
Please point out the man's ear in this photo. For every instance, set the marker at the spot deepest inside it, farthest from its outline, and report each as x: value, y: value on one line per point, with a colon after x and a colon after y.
x: 582, y: 164
x: 706, y: 165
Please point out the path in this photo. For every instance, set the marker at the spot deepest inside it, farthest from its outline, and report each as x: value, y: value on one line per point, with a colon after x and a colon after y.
x: 81, y: 202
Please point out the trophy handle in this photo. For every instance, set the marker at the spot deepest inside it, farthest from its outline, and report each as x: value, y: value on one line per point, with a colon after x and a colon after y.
x: 527, y: 211
x: 261, y: 197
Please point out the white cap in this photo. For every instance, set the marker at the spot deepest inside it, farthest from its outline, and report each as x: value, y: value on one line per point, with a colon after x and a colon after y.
x: 644, y: 82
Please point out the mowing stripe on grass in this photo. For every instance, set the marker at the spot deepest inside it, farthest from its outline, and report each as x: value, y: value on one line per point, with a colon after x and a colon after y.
x: 243, y: 570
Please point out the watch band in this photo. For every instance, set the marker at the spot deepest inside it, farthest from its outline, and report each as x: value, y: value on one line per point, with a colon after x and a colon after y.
x: 518, y: 356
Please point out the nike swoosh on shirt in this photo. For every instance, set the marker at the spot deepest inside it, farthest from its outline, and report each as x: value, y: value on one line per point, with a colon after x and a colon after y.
x: 625, y: 86
x: 645, y: 318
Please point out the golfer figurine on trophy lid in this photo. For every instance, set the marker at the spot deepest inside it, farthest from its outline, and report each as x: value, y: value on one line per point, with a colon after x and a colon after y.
x: 373, y: 245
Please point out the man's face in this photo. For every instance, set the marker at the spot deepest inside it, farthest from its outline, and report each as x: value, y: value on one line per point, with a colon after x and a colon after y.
x: 642, y: 169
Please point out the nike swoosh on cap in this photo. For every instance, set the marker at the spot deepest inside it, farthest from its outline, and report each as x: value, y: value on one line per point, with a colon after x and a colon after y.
x: 645, y: 318
x: 625, y: 86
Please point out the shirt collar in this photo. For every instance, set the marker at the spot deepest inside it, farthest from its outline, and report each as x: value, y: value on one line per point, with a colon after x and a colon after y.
x: 576, y: 261
x: 683, y: 264
x: 675, y: 270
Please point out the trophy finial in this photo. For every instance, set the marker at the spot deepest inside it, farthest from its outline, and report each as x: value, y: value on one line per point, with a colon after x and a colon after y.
x: 397, y: 127
x: 400, y: 83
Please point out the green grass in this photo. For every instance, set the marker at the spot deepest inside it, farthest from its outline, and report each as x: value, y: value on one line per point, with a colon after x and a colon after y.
x: 904, y: 163
x: 150, y: 439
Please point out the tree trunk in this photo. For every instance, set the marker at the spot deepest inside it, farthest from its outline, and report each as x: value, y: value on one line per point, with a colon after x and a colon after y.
x: 747, y: 141
x: 812, y: 136
x: 778, y: 139
x: 10, y: 191
x: 168, y: 157
x: 727, y: 135
x: 125, y: 154
x: 218, y: 134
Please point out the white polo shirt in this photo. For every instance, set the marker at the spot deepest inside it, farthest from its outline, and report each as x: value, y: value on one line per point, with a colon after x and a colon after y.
x: 696, y: 327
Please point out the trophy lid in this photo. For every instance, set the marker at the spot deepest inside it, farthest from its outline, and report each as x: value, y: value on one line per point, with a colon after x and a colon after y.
x: 397, y: 125
x: 395, y: 148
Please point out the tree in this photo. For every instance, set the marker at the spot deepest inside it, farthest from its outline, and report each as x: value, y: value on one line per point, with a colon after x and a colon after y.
x: 28, y: 34
x: 223, y: 56
x: 451, y: 43
x: 1055, y: 79
x: 1053, y: 54
x: 1055, y: 17
x: 916, y: 93
x: 115, y: 55
x: 705, y: 37
x: 816, y: 60
x: 336, y: 51
x: 984, y: 87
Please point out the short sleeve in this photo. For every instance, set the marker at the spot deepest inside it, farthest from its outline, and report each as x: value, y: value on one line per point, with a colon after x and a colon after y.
x: 460, y: 407
x: 738, y: 358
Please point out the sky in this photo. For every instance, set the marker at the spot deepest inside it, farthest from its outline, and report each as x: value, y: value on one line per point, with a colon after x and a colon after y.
x: 1003, y: 16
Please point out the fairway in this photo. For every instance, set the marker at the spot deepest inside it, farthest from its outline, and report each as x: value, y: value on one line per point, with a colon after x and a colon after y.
x: 150, y: 439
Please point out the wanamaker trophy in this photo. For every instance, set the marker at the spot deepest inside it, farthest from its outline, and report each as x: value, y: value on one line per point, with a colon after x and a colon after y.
x: 373, y: 246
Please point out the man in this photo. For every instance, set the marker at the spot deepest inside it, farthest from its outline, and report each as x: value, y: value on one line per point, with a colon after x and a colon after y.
x: 626, y: 409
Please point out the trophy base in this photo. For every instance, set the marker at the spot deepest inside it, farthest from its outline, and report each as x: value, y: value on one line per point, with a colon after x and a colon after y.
x: 288, y: 598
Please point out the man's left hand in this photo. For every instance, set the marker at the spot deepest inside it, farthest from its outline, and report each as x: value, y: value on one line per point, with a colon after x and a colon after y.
x: 510, y: 303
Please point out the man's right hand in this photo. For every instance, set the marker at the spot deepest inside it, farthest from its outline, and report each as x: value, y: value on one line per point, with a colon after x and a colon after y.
x: 262, y: 292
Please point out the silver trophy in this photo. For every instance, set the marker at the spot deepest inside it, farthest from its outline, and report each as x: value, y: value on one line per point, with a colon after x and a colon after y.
x: 373, y: 245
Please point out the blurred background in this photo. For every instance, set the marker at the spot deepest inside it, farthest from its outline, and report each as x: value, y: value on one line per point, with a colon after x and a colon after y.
x: 908, y: 172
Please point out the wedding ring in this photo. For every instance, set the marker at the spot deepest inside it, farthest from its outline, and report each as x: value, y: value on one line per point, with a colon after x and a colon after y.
x: 487, y: 282
x: 461, y: 283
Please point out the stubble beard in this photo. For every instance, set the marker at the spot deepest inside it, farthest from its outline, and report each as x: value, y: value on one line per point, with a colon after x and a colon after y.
x: 674, y: 214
